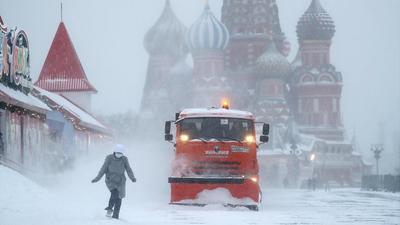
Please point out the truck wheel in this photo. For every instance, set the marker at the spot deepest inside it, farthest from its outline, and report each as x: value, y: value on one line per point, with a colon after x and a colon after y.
x: 253, y: 207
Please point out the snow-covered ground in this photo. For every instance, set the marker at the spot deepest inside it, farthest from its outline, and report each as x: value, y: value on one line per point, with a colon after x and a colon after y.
x: 71, y: 199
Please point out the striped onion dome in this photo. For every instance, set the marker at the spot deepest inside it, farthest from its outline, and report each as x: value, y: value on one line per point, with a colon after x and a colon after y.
x: 272, y: 63
x: 167, y: 36
x: 315, y: 24
x: 207, y: 32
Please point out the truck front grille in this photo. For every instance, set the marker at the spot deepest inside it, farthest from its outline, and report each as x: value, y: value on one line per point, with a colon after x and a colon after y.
x: 216, y: 168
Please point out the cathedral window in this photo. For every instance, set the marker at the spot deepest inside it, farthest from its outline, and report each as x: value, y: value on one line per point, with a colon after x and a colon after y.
x: 309, y: 118
x: 306, y: 58
x: 315, y: 59
x: 326, y: 58
x: 300, y: 107
x: 325, y: 78
x: 316, y: 105
x: 307, y: 105
x: 307, y: 79
x: 334, y: 105
x: 325, y: 119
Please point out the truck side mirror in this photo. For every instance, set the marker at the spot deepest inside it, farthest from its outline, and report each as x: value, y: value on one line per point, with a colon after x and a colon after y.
x: 265, y: 130
x: 177, y: 116
x: 168, y: 137
x: 264, y: 138
x: 167, y: 127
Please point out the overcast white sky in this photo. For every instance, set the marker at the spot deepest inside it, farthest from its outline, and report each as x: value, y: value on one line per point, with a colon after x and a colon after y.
x: 108, y: 36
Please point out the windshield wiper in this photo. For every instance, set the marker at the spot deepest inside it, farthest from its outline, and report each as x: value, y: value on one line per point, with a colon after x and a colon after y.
x: 218, y: 139
x: 202, y: 139
x: 234, y: 139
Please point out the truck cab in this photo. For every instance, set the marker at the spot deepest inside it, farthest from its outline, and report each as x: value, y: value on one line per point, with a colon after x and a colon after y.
x: 215, y: 148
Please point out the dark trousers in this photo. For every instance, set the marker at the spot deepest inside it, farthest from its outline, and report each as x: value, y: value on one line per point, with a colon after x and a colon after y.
x: 115, y: 203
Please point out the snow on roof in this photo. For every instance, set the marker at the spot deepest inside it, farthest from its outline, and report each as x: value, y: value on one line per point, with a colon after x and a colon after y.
x: 85, y: 118
x: 214, y: 112
x: 23, y: 100
x: 337, y: 142
x: 62, y: 69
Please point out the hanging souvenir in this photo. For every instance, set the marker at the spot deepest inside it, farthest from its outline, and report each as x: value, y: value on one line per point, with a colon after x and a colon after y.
x: 3, y: 46
x: 1, y: 53
x: 20, y: 65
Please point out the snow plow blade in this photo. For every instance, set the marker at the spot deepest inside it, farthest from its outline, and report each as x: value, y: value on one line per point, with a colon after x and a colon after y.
x: 206, y: 180
x: 185, y: 190
x: 250, y: 207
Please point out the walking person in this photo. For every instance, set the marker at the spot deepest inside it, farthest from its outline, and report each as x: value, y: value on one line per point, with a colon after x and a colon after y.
x: 114, y: 168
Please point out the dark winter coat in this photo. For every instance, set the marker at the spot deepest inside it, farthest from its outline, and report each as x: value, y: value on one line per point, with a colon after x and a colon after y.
x: 114, y: 168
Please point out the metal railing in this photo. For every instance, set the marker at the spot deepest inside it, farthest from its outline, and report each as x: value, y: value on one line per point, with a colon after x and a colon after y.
x: 388, y: 183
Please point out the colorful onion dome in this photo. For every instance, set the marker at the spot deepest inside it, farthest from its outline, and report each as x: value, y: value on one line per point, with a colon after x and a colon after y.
x: 208, y: 32
x: 315, y: 24
x: 167, y: 36
x: 272, y: 63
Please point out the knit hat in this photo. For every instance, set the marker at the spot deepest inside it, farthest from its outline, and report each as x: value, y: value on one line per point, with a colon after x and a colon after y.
x: 119, y: 148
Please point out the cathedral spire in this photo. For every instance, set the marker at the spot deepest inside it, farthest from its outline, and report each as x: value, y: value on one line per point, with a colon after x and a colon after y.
x: 167, y: 35
x: 315, y: 24
x: 61, y: 12
x: 272, y: 63
x: 316, y: 6
x: 208, y: 32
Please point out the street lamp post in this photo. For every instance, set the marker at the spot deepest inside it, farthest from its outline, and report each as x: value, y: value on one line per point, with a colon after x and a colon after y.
x: 377, y: 149
x: 294, y: 161
x: 312, y: 159
x: 293, y: 148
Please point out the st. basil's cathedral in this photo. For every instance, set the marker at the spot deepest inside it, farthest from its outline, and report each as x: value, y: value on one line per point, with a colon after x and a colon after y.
x: 243, y: 57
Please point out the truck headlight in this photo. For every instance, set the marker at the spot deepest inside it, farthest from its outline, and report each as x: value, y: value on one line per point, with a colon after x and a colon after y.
x: 184, y: 137
x: 254, y: 179
x: 249, y: 138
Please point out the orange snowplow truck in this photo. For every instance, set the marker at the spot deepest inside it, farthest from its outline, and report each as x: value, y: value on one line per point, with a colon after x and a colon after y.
x: 215, y: 148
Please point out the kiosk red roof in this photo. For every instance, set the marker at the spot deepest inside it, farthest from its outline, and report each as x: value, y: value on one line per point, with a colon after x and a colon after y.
x: 62, y: 71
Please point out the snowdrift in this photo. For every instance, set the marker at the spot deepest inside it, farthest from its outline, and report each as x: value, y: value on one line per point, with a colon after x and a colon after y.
x: 16, y: 189
x: 218, y: 196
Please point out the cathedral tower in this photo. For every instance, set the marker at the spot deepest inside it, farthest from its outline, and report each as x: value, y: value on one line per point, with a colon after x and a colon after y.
x: 271, y: 105
x: 165, y: 43
x: 249, y: 23
x: 316, y: 85
x: 207, y: 39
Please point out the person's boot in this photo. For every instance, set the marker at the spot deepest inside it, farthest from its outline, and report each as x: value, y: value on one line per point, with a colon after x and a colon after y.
x: 109, y: 211
x: 115, y: 215
x: 117, y: 207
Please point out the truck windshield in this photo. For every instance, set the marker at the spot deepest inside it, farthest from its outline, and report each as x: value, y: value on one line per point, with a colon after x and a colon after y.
x: 223, y: 129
